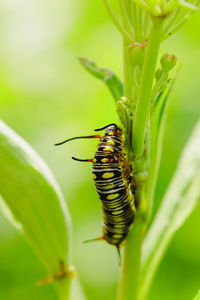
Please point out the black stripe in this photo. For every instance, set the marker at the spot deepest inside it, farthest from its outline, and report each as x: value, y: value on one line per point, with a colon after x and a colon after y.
x: 119, y: 211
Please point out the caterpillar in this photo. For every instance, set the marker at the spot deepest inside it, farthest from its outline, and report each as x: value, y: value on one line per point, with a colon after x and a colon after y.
x: 112, y: 178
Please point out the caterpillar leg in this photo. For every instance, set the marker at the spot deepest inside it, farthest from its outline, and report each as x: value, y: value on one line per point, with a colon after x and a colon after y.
x: 118, y: 251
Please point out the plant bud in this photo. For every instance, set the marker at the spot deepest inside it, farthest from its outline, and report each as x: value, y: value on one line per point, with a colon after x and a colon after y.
x: 168, y: 61
x: 122, y: 111
x: 124, y: 100
x: 137, y: 51
x: 158, y: 74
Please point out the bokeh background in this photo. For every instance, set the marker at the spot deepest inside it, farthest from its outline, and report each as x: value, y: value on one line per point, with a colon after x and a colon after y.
x: 46, y: 96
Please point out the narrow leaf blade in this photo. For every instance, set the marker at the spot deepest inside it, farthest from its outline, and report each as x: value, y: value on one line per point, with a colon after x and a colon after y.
x: 159, y: 117
x: 178, y: 203
x: 110, y: 79
x: 29, y: 191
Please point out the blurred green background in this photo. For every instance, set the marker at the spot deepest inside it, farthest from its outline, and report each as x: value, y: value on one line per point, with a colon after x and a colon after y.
x: 46, y: 96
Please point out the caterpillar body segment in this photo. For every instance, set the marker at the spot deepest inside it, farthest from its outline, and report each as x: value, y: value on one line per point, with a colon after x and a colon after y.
x: 111, y: 174
x: 112, y: 178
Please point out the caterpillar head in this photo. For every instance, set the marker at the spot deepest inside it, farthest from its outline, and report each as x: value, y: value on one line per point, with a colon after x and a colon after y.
x: 113, y: 129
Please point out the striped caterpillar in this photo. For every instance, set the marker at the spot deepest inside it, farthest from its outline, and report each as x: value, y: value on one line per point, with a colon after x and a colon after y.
x: 112, y: 179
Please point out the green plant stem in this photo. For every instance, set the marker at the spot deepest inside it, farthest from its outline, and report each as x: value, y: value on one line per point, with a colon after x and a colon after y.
x: 63, y: 287
x: 135, y: 20
x: 145, y: 87
x: 125, y: 17
x: 127, y: 72
x: 176, y: 27
x: 139, y: 16
x: 130, y: 271
x: 115, y: 20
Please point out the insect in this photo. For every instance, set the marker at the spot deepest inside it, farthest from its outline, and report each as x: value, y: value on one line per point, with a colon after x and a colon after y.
x: 112, y: 178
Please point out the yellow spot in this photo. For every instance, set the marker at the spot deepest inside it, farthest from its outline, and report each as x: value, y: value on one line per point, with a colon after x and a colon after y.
x: 120, y: 219
x: 104, y: 160
x: 108, y: 149
x: 113, y: 206
x: 110, y: 133
x: 108, y: 175
x: 107, y: 187
x: 120, y: 225
x: 117, y: 212
x: 94, y: 160
x: 112, y: 196
x: 111, y: 142
x: 94, y: 176
x: 117, y: 236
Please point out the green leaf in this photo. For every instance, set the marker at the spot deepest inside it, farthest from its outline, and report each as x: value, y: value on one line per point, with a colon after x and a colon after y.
x: 178, y: 203
x: 111, y: 80
x: 123, y: 113
x: 125, y: 110
x: 7, y: 214
x: 197, y: 297
x: 77, y: 292
x: 159, y: 116
x: 32, y: 201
